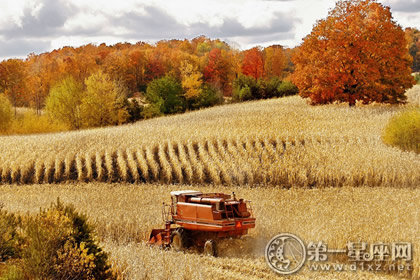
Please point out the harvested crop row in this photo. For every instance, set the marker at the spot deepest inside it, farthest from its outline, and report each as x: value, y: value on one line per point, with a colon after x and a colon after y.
x: 275, y: 142
x: 288, y: 162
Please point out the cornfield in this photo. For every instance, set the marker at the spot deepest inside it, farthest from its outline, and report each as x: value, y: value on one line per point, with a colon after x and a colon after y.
x: 250, y: 148
x: 281, y: 142
x: 125, y: 214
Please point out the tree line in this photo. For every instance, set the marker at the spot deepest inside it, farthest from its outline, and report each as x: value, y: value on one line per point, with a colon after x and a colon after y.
x: 358, y: 53
x: 194, y: 62
x: 168, y: 77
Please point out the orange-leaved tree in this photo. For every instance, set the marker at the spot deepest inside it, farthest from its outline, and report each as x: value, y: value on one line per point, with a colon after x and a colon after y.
x: 12, y: 80
x: 274, y: 61
x: 357, y: 53
x: 219, y: 70
x: 412, y: 35
x: 253, y: 63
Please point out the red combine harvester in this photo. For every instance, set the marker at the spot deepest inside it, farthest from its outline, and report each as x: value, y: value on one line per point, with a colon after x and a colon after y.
x: 201, y: 220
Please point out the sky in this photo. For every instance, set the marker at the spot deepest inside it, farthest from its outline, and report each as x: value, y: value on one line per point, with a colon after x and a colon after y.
x: 38, y: 26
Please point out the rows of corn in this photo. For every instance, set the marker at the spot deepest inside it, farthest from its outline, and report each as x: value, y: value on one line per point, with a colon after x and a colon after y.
x: 276, y: 142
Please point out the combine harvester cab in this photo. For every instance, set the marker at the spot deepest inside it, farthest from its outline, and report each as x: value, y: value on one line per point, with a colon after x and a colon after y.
x: 201, y: 220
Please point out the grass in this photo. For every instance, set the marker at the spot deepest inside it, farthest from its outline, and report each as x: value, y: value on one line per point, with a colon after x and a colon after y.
x: 31, y: 123
x: 27, y: 121
x: 403, y: 131
x: 125, y: 214
x: 273, y: 142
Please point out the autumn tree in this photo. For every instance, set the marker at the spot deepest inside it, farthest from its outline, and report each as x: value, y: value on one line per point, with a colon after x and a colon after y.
x: 357, y: 53
x: 274, y: 61
x: 289, y: 66
x: 137, y: 69
x: 203, y: 48
x: 117, y: 65
x: 219, y: 71
x: 12, y: 80
x: 253, y: 63
x: 191, y: 80
x: 39, y: 80
x: 127, y: 66
x: 100, y: 102
x: 205, y: 68
x: 6, y: 113
x: 79, y: 65
x: 64, y: 102
x: 155, y: 64
x: 133, y: 65
x: 412, y: 36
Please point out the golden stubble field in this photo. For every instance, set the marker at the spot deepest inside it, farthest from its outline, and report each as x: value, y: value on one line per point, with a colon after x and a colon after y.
x: 322, y: 173
x: 124, y: 214
x: 273, y: 142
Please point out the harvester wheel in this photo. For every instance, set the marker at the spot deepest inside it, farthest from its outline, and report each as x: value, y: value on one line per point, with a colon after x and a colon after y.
x: 210, y: 248
x: 179, y: 240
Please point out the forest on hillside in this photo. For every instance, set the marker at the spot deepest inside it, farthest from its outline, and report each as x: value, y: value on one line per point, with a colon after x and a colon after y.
x: 100, y: 85
x: 27, y: 81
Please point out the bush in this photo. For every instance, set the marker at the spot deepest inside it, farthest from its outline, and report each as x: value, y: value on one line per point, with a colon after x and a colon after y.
x: 244, y: 94
x: 74, y: 262
x: 166, y: 95
x: 271, y: 87
x: 9, y: 238
x: 59, y: 244
x: 403, y: 131
x: 134, y: 109
x: 417, y: 78
x: 152, y: 111
x: 287, y: 88
x: 11, y: 272
x: 31, y: 123
x: 246, y: 88
x: 6, y: 113
x: 209, y: 96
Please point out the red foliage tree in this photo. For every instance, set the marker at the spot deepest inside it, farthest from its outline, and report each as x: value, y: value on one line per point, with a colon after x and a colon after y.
x: 357, y: 53
x: 253, y: 63
x: 219, y: 70
x: 155, y: 67
x: 137, y: 66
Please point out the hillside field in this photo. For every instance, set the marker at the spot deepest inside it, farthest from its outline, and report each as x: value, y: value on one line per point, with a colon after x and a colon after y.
x: 320, y: 172
x: 282, y: 142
